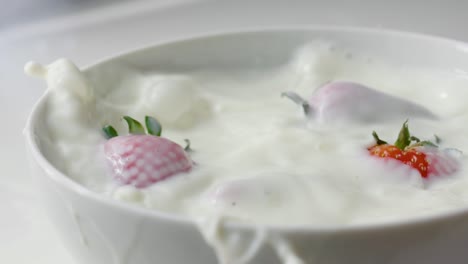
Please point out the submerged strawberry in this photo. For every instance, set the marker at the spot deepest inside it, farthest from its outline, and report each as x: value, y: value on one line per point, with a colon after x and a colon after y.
x: 354, y: 102
x: 423, y: 156
x: 140, y: 159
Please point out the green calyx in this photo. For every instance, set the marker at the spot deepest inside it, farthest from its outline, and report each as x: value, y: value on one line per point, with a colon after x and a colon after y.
x: 299, y: 100
x: 109, y: 132
x: 153, y: 127
x: 134, y: 127
x: 404, y: 137
x: 405, y: 140
x: 377, y: 139
x: 187, y: 147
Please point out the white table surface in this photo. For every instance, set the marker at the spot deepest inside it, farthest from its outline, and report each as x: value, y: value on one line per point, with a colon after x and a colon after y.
x: 90, y: 34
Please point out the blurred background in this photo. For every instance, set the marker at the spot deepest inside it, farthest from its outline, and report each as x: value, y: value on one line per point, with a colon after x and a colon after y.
x: 89, y: 30
x: 26, y: 11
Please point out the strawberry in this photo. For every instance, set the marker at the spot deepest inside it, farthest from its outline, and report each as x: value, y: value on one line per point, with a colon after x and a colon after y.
x: 354, y: 102
x: 423, y: 156
x: 142, y: 159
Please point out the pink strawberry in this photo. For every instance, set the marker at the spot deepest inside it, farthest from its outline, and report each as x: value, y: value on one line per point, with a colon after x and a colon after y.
x: 142, y: 160
x: 348, y: 101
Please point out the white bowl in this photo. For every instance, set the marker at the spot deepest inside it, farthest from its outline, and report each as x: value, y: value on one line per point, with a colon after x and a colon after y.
x: 98, y: 230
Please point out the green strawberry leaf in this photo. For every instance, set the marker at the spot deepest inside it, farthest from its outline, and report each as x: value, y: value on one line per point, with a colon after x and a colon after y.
x: 420, y: 143
x: 153, y: 126
x: 378, y: 141
x: 404, y: 137
x: 110, y: 132
x: 134, y: 127
x: 425, y: 143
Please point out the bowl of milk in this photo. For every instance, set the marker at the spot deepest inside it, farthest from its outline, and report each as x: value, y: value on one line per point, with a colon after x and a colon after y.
x: 255, y: 147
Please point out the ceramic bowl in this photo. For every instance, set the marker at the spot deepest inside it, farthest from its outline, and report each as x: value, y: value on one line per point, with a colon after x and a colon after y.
x: 98, y: 230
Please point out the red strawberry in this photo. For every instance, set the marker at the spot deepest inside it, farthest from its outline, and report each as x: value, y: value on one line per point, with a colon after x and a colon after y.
x: 141, y: 160
x: 411, y: 157
x: 423, y: 156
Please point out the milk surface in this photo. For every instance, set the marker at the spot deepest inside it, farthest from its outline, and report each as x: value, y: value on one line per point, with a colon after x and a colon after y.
x: 259, y: 158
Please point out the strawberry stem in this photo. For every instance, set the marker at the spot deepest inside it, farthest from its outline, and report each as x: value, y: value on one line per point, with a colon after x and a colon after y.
x: 110, y: 132
x: 134, y: 127
x: 404, y: 137
x: 298, y: 100
x: 153, y: 126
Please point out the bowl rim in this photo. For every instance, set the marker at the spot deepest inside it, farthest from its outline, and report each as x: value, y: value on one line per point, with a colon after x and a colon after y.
x: 62, y: 179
